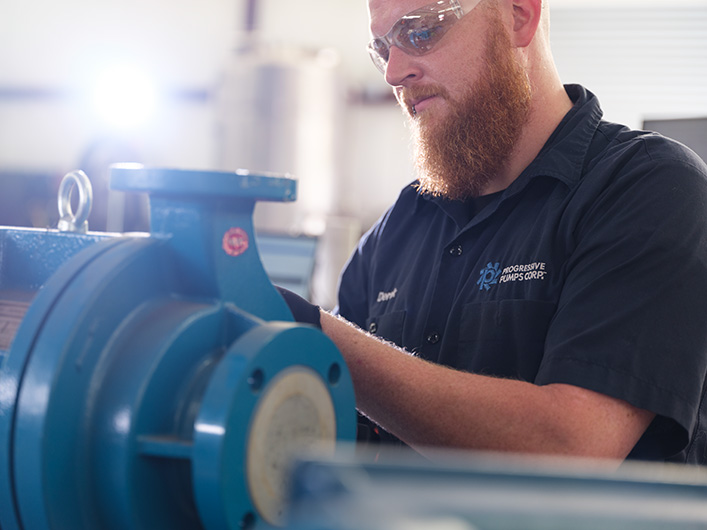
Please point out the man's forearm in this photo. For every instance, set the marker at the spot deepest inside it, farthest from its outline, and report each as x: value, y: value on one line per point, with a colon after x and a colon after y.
x: 428, y: 405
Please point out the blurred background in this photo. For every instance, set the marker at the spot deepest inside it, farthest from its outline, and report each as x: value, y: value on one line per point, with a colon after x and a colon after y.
x: 283, y: 86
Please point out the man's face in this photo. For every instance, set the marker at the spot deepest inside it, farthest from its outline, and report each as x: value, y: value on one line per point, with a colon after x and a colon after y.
x: 467, y: 101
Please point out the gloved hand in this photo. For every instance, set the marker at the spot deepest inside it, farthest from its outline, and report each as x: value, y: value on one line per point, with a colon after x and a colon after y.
x: 303, y: 311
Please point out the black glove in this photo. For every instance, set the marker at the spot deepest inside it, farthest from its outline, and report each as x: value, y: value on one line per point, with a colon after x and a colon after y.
x: 303, y: 311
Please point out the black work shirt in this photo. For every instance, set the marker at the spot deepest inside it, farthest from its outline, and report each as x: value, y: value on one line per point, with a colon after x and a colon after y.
x: 590, y: 269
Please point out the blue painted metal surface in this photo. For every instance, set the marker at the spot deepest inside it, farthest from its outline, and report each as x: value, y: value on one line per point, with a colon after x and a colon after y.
x: 117, y: 347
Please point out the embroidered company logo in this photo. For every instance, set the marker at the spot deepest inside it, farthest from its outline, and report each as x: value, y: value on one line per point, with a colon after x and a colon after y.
x: 492, y: 274
x: 489, y: 276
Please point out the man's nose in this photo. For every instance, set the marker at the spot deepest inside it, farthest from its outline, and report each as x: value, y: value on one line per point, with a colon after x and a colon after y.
x: 401, y: 67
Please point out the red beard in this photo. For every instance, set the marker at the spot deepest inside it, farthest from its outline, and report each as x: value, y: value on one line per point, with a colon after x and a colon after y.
x: 459, y: 156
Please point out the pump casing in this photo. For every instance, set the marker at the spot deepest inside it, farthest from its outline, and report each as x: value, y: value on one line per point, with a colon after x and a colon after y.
x: 157, y: 381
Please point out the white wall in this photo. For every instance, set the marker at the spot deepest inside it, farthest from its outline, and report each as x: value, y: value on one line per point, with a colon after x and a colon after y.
x: 648, y: 62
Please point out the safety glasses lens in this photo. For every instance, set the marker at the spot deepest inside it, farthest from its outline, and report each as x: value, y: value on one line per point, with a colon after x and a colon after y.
x: 416, y: 33
x: 419, y: 33
x: 379, y: 52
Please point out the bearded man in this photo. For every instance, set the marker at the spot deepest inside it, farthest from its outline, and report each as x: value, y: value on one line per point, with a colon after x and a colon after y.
x: 542, y: 286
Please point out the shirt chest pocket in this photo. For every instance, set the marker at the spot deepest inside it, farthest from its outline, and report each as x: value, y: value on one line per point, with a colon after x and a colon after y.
x: 388, y: 326
x: 504, y: 338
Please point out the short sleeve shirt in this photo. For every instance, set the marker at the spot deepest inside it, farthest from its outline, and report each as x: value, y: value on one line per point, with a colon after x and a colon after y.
x: 590, y: 269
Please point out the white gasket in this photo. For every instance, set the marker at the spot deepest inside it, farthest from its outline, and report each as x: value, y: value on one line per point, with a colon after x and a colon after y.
x: 294, y: 415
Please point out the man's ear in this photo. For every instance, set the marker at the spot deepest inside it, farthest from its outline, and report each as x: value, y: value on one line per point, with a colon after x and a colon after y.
x: 526, y: 18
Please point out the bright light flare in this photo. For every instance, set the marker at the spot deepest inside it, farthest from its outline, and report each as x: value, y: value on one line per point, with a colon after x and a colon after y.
x: 124, y: 97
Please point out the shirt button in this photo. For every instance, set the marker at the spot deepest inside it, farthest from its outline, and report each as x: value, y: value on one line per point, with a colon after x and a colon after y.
x: 456, y: 250
x: 433, y: 338
x: 373, y: 327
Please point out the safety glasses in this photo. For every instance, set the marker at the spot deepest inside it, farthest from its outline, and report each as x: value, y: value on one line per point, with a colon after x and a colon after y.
x: 418, y: 32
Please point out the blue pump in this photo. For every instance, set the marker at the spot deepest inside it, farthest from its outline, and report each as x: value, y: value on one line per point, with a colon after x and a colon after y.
x: 157, y: 381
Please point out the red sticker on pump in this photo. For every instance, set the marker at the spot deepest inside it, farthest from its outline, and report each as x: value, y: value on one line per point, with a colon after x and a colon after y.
x: 235, y: 241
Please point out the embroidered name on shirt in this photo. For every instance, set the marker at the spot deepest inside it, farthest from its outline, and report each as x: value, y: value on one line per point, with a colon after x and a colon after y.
x: 384, y: 297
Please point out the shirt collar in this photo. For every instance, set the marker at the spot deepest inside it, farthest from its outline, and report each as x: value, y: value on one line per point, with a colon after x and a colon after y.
x: 563, y: 155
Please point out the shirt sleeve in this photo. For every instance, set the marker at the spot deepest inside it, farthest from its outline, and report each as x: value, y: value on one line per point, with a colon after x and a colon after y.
x: 353, y: 302
x: 631, y: 321
x: 354, y: 280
